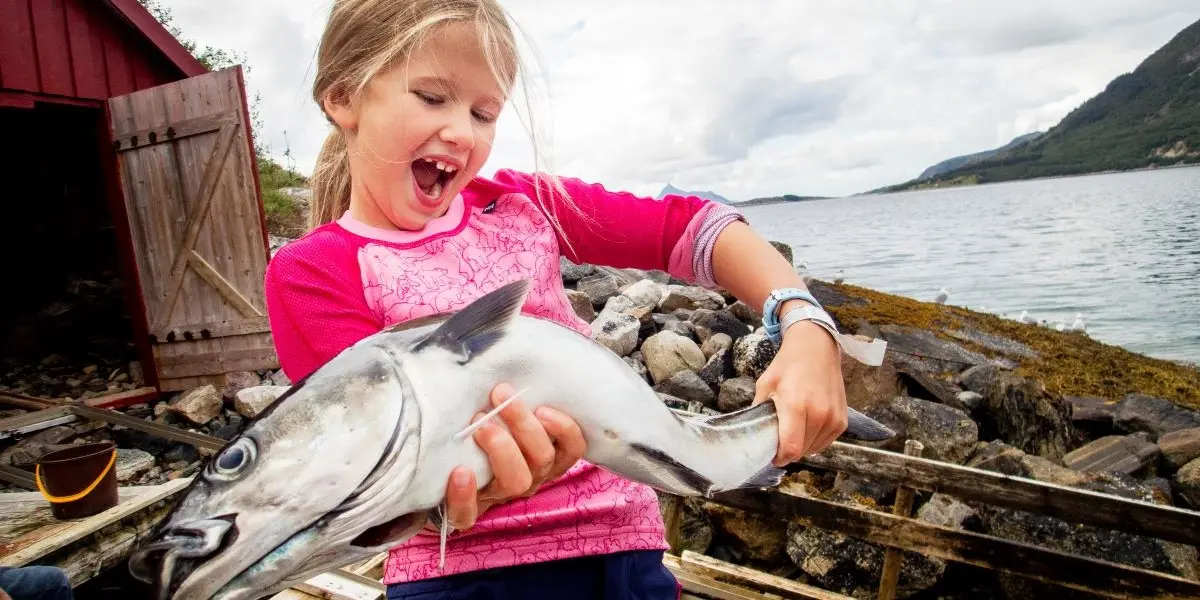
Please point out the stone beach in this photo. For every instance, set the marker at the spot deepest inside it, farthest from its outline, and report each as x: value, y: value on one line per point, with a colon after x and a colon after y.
x: 975, y: 390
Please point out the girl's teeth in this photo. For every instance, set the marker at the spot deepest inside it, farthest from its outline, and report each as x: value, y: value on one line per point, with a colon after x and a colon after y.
x: 441, y: 165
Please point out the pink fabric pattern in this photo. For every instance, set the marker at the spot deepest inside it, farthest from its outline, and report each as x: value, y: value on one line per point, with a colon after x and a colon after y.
x: 346, y: 280
x: 448, y: 272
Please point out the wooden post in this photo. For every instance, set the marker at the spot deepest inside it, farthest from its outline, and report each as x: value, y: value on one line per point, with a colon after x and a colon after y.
x: 672, y: 505
x: 901, y: 508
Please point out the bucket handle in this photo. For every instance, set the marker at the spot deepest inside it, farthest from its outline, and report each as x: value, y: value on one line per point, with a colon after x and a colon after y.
x: 37, y: 476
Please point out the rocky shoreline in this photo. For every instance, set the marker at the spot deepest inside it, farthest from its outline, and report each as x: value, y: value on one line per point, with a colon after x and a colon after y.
x: 959, y: 382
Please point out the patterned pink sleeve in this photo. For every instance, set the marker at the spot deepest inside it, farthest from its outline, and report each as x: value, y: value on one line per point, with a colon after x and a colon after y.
x: 619, y: 229
x: 315, y: 302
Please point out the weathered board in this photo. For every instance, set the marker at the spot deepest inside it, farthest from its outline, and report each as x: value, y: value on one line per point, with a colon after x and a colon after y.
x: 30, y: 534
x: 193, y: 202
x: 966, y: 483
x: 1100, y: 577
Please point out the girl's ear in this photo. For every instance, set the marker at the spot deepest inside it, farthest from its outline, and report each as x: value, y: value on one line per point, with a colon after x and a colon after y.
x: 339, y: 108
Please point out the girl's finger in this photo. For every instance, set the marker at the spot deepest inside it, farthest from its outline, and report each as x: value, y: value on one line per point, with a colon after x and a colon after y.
x: 567, y: 435
x: 835, y: 427
x: 510, y: 473
x: 527, y: 431
x: 817, y: 421
x: 793, y: 425
x: 461, y: 501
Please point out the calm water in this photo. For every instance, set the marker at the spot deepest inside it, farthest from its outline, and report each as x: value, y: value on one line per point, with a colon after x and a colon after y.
x: 1123, y: 249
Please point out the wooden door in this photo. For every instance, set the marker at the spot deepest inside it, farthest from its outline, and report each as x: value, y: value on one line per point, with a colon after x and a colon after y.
x: 196, y: 218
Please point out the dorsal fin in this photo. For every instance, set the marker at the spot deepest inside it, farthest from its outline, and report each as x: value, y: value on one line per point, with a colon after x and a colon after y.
x: 480, y: 324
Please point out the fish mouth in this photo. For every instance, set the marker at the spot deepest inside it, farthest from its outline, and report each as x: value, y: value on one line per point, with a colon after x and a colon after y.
x: 179, y: 550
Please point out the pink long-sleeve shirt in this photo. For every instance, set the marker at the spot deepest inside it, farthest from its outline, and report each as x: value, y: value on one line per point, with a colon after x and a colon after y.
x: 347, y: 280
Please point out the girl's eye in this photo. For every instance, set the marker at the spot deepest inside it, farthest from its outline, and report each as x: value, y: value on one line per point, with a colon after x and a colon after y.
x: 429, y: 98
x: 482, y: 117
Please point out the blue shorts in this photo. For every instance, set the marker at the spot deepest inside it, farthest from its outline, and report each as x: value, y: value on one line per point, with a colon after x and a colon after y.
x: 636, y: 575
x: 35, y: 582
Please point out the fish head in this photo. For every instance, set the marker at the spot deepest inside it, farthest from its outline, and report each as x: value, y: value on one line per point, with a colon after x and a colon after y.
x: 262, y: 504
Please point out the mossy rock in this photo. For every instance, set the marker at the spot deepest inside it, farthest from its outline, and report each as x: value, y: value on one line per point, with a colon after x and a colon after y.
x: 785, y: 250
x: 1067, y: 363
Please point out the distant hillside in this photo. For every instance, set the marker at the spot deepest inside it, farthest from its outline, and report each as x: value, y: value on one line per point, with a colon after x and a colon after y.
x: 958, y: 161
x: 779, y: 199
x: 672, y: 190
x: 1149, y: 117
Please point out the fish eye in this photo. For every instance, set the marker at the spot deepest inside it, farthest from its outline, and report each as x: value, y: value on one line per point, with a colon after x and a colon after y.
x: 233, y: 459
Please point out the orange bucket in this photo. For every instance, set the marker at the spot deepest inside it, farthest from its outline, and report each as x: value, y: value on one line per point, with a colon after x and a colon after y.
x: 79, y: 481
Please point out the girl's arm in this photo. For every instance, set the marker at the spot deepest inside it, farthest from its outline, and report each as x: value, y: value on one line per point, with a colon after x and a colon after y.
x: 805, y: 378
x: 315, y: 304
x: 618, y: 229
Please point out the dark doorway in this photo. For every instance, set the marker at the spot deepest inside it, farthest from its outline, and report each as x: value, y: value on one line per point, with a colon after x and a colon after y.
x: 65, y: 328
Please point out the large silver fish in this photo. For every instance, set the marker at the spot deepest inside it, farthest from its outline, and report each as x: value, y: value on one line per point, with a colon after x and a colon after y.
x: 354, y: 459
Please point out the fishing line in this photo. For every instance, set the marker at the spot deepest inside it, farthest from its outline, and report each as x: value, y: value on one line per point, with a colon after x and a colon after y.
x: 481, y: 422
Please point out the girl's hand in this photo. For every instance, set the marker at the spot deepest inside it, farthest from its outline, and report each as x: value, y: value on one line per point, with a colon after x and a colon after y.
x: 805, y: 381
x: 536, y: 447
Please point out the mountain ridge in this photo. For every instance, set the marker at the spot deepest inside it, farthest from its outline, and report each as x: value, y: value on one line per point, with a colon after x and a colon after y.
x: 1146, y: 118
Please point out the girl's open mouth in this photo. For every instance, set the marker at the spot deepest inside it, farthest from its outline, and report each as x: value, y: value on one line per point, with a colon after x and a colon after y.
x: 431, y: 178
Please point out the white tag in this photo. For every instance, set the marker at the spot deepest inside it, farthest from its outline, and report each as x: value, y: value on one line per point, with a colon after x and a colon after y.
x: 869, y: 353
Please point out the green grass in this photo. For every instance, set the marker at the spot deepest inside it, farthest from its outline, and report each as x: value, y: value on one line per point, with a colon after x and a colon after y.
x: 284, y: 218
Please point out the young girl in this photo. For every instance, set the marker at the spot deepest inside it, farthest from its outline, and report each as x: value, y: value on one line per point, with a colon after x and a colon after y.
x: 403, y: 227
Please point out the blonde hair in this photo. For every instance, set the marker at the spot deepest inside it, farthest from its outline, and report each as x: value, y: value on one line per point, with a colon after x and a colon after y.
x: 363, y: 38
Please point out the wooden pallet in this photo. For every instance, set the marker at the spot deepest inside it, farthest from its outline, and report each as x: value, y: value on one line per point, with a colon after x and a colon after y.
x: 30, y: 534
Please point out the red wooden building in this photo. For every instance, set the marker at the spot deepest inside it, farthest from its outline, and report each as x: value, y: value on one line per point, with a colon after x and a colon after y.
x: 122, y: 153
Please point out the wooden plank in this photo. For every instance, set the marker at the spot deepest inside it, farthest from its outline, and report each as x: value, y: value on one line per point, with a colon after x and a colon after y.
x: 17, y: 476
x: 1076, y: 572
x: 53, y: 534
x: 109, y: 547
x: 18, y: 48
x: 901, y: 507
x: 54, y: 64
x: 35, y: 421
x: 349, y: 583
x: 372, y: 567
x: 341, y: 584
x: 223, y: 287
x: 1077, y: 505
x: 176, y: 130
x: 753, y: 579
x: 199, y: 440
x: 200, y: 203
x: 122, y: 399
x: 215, y: 329
x: 29, y: 402
x: 191, y: 365
x: 709, y: 587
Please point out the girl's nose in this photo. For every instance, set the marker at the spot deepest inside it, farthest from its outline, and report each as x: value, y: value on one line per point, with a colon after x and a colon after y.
x: 459, y: 131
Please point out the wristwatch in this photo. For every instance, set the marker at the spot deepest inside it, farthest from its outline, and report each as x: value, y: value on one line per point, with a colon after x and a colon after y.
x: 772, y: 322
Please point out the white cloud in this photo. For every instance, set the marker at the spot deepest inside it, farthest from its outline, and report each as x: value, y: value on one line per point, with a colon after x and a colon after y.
x: 791, y: 96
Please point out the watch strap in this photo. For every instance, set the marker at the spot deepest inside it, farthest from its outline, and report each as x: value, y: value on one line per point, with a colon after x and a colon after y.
x: 771, y: 308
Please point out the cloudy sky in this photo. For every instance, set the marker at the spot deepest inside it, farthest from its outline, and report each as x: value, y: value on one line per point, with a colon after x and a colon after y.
x: 795, y: 97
